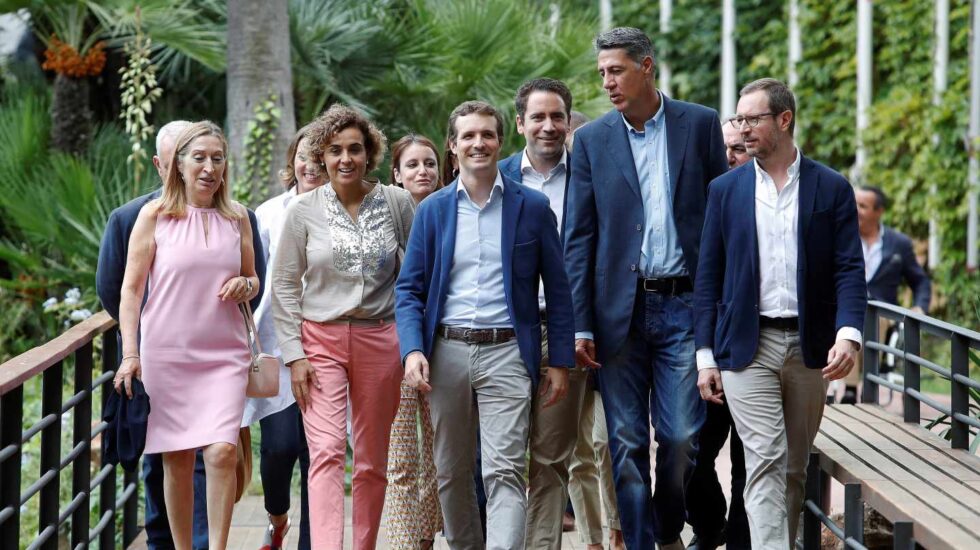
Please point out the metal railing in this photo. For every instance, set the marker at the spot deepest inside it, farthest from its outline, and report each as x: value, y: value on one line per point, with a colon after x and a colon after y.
x: 48, y: 362
x: 912, y: 325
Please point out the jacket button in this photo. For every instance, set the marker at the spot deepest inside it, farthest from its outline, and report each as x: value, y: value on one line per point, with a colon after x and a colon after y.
x: 632, y: 267
x: 639, y: 227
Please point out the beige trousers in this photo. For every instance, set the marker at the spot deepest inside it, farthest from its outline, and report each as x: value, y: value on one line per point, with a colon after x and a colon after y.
x: 590, y: 473
x: 554, y: 431
x: 777, y: 404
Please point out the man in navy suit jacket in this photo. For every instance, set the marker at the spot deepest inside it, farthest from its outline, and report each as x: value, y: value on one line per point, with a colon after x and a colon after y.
x: 888, y: 258
x: 108, y: 285
x: 467, y: 301
x: 635, y: 209
x: 779, y: 302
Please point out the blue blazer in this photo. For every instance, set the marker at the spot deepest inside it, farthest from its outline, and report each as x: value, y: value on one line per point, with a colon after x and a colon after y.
x: 115, y: 248
x: 829, y: 274
x: 510, y: 167
x: 530, y: 252
x: 898, y: 262
x: 604, y: 217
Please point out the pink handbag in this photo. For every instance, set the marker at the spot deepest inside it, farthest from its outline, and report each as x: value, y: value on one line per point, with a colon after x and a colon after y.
x: 263, y: 372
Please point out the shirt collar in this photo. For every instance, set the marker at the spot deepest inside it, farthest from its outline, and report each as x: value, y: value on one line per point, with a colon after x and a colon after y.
x: 791, y: 172
x: 559, y: 168
x: 654, y: 120
x: 498, y: 188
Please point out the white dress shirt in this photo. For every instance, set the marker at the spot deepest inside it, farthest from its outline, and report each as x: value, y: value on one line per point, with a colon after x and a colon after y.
x: 776, y: 226
x: 872, y: 255
x: 553, y: 186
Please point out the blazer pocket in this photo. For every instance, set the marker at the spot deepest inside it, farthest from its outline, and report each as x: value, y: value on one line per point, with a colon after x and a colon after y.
x: 525, y: 258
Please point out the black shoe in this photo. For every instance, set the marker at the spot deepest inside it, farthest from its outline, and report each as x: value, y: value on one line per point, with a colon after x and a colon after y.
x: 707, y: 543
x: 850, y: 396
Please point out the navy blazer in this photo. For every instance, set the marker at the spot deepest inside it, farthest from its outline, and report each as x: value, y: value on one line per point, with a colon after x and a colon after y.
x: 829, y: 274
x: 510, y: 167
x: 898, y: 262
x: 530, y: 251
x: 115, y: 248
x: 604, y: 215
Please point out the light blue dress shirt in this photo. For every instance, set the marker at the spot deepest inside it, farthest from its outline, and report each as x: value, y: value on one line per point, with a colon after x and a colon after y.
x: 660, y: 254
x: 475, y: 296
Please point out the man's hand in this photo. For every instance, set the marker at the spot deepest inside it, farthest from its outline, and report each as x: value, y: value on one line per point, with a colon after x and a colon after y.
x: 301, y: 375
x: 417, y: 371
x: 585, y: 353
x: 840, y: 360
x: 555, y: 385
x: 709, y: 384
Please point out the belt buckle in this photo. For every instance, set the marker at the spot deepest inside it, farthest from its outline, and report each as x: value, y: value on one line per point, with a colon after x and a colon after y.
x: 467, y: 335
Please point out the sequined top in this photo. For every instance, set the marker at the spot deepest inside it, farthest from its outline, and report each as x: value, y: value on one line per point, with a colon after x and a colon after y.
x: 329, y: 266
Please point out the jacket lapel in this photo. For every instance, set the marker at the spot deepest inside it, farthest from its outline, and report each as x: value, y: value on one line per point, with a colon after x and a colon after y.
x: 745, y: 202
x: 618, y: 146
x: 513, y: 200
x: 887, y: 250
x: 676, y: 130
x: 808, y: 193
x: 448, y: 208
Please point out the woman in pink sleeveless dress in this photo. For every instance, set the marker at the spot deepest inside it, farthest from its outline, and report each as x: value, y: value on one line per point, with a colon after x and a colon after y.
x: 192, y: 252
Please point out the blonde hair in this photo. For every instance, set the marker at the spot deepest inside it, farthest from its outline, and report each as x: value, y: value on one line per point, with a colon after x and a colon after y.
x: 174, y: 199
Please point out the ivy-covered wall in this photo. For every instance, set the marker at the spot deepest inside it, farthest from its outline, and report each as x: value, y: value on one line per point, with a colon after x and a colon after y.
x: 904, y: 157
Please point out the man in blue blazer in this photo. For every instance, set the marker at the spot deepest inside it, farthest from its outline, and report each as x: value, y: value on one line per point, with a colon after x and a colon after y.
x: 888, y: 259
x: 108, y: 284
x: 467, y: 303
x: 635, y: 208
x: 779, y: 301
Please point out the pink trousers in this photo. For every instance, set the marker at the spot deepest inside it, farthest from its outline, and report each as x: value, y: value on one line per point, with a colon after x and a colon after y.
x: 362, y: 362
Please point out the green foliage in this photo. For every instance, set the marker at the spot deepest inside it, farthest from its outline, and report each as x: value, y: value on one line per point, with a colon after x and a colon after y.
x: 139, y: 91
x: 54, y: 205
x: 259, y: 141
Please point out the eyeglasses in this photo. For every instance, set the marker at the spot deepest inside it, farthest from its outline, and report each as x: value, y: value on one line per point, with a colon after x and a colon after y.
x: 751, y: 120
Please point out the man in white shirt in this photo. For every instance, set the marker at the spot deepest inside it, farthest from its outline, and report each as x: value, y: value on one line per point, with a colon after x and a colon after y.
x: 779, y: 301
x: 544, y: 108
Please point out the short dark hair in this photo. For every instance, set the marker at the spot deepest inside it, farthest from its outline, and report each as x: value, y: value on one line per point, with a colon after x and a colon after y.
x: 881, y: 199
x: 577, y: 119
x: 556, y: 87
x: 781, y: 98
x: 474, y: 108
x: 636, y: 43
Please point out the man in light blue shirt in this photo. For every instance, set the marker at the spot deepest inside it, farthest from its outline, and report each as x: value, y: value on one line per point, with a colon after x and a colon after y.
x: 467, y: 303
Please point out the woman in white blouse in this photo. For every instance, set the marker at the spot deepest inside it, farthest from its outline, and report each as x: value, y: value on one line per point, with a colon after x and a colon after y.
x: 283, y: 439
x: 333, y: 299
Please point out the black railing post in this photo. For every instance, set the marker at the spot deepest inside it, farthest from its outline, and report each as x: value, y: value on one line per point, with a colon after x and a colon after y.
x: 959, y: 394
x: 869, y: 392
x: 81, y: 475
x: 853, y: 513
x: 910, y: 335
x: 11, y: 420
x: 903, y: 539
x: 131, y: 508
x: 107, y: 489
x: 814, y: 493
x: 48, y: 509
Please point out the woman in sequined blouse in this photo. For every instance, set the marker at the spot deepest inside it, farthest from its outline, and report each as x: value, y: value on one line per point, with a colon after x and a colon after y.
x: 333, y: 302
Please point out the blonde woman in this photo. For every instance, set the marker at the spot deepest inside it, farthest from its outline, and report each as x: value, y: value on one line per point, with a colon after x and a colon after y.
x: 192, y: 249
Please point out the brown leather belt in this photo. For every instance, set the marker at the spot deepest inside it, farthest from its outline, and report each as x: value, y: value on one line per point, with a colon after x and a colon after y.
x: 477, y: 335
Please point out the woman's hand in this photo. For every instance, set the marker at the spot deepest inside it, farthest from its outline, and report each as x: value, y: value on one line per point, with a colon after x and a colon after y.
x: 129, y: 368
x: 237, y: 289
x: 301, y: 376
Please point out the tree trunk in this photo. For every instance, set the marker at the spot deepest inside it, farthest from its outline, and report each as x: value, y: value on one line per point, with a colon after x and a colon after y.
x: 259, y: 68
x: 71, y: 116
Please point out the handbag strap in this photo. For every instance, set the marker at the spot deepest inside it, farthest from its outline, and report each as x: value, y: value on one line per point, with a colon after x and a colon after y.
x: 253, y: 333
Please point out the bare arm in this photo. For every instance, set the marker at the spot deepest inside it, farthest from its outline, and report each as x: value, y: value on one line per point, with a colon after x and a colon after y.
x: 244, y: 286
x: 142, y: 250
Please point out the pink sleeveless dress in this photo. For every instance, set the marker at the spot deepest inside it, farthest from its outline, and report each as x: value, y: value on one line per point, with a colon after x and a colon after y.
x: 194, y: 347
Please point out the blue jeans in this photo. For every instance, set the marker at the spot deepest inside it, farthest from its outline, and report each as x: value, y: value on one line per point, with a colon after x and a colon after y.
x: 283, y: 443
x: 158, y: 535
x: 653, y: 379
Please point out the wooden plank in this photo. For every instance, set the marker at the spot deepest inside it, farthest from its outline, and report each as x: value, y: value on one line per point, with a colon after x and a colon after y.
x: 931, y: 529
x: 34, y: 361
